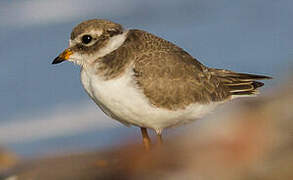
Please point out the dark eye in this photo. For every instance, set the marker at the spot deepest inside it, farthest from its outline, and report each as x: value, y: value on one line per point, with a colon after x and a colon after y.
x: 86, y: 39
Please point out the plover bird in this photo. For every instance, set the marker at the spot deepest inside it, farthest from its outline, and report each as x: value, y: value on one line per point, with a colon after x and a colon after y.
x: 143, y: 80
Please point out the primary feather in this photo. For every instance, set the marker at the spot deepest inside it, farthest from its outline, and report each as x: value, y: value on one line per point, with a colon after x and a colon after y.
x: 239, y: 83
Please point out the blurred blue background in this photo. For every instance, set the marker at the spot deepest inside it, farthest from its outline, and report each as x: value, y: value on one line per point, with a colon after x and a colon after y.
x: 43, y: 108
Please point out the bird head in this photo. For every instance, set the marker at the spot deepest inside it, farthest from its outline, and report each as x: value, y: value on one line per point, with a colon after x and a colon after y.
x: 91, y: 40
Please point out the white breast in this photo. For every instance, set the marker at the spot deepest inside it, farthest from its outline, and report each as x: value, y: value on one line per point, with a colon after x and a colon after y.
x: 122, y: 100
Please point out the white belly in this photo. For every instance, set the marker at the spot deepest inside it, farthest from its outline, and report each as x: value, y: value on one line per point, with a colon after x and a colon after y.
x: 120, y: 99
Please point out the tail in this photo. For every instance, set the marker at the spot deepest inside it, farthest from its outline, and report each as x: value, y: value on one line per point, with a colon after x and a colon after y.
x: 239, y: 84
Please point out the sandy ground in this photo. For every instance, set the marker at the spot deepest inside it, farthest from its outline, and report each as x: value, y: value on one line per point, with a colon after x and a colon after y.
x: 247, y: 139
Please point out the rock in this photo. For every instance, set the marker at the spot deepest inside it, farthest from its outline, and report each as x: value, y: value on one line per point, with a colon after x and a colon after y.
x: 7, y: 159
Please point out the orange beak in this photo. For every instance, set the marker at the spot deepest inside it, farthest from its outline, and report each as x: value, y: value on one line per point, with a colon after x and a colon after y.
x: 63, y: 56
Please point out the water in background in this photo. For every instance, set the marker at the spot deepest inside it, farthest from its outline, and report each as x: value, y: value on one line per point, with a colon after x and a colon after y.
x: 246, y: 36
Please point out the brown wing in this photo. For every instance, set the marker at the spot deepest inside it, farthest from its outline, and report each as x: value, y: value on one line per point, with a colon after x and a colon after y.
x: 171, y: 78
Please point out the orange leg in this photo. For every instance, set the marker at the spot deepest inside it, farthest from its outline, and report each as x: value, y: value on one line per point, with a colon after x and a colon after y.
x: 160, y: 139
x: 146, y: 139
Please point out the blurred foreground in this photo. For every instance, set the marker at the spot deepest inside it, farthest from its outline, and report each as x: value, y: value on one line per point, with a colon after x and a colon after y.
x: 250, y: 139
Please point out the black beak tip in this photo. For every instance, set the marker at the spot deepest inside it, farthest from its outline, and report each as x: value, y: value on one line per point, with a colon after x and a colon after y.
x: 57, y: 60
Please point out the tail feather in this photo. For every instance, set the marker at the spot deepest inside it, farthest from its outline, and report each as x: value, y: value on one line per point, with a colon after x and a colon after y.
x: 240, y: 84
